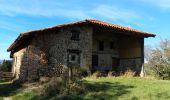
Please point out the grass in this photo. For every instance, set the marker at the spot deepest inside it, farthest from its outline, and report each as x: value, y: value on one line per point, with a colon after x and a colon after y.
x: 131, y: 89
x: 110, y: 88
x: 7, y: 89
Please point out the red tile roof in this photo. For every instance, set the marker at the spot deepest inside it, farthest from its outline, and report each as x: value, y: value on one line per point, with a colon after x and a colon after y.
x: 92, y: 22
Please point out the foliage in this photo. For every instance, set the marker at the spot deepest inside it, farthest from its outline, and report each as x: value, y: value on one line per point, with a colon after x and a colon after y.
x: 95, y: 75
x: 54, y: 87
x: 6, y: 66
x: 159, y: 60
x: 62, y: 86
x: 129, y: 73
x: 59, y: 87
x: 110, y: 73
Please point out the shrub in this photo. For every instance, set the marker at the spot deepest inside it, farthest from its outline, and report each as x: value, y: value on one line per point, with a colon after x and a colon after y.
x: 77, y: 87
x: 57, y: 86
x: 129, y: 73
x: 63, y: 86
x: 95, y: 75
x: 111, y: 73
x: 54, y: 87
x: 43, y: 80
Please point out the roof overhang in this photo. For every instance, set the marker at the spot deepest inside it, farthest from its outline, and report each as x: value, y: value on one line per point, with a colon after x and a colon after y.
x: 90, y: 22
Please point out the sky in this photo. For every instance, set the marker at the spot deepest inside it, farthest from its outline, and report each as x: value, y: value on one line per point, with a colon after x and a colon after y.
x: 18, y: 16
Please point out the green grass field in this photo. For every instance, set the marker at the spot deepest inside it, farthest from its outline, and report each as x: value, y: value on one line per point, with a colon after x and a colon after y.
x: 113, y: 88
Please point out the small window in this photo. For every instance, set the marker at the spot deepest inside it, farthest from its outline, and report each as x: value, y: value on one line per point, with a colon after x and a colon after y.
x: 73, y: 58
x: 75, y: 35
x: 101, y: 45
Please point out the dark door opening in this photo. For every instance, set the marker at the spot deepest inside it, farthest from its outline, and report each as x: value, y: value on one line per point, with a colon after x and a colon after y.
x: 94, y: 62
x: 115, y: 64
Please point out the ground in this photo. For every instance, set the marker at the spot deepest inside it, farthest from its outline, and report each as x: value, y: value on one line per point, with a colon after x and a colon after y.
x: 110, y: 88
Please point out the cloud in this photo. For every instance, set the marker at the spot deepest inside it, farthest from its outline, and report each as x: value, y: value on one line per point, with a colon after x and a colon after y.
x: 39, y: 8
x: 115, y: 13
x: 59, y: 9
x: 13, y: 10
x: 12, y: 26
x: 163, y: 4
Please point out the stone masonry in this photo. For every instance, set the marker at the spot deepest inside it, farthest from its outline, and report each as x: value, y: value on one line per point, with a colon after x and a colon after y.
x: 46, y: 55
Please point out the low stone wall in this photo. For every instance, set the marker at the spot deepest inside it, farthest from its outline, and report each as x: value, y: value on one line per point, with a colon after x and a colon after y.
x: 133, y: 64
x: 6, y: 75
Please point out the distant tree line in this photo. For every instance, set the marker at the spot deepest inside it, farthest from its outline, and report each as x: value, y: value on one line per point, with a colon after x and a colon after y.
x: 158, y: 60
x: 6, y: 66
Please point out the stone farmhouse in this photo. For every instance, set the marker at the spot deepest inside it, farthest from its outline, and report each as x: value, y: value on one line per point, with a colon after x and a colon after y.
x: 90, y: 44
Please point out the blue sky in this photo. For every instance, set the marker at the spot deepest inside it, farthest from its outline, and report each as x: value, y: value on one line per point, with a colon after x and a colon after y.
x: 18, y: 16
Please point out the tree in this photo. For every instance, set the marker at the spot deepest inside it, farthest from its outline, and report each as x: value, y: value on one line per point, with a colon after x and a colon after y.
x: 6, y: 66
x: 159, y: 59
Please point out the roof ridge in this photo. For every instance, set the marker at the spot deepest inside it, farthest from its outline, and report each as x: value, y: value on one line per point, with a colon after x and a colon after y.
x: 116, y: 25
x: 108, y: 25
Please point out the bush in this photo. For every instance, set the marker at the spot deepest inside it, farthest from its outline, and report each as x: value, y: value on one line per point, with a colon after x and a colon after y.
x: 77, y: 87
x: 57, y: 86
x: 129, y: 73
x: 95, y: 75
x: 63, y: 86
x: 54, y: 87
x: 111, y: 73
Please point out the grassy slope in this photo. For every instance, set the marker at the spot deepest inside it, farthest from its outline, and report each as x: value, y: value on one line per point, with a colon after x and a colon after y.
x: 118, y: 88
x: 133, y: 89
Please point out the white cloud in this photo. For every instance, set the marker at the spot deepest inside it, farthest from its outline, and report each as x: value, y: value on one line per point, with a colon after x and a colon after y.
x: 58, y: 9
x: 39, y: 8
x: 12, y: 26
x: 115, y: 13
x: 164, y: 4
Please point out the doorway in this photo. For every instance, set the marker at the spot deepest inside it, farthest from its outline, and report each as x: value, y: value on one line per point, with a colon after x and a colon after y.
x: 115, y: 63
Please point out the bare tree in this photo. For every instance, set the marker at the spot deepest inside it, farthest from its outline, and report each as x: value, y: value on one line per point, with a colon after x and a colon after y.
x: 159, y: 59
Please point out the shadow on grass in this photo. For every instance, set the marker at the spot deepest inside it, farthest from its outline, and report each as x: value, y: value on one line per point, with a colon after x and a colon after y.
x: 107, y: 90
x: 8, y: 89
x: 95, y: 91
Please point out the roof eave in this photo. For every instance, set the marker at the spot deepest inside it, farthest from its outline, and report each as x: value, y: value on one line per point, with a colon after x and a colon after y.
x: 142, y: 34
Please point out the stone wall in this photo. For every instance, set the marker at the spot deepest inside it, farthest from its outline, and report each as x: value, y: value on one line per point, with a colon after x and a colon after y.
x: 47, y: 52
x: 131, y: 54
x: 20, y: 64
x: 133, y: 64
x: 105, y: 56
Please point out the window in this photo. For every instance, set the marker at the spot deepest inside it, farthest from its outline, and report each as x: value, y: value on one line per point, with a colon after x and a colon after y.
x: 101, y: 45
x: 75, y: 35
x: 73, y: 58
